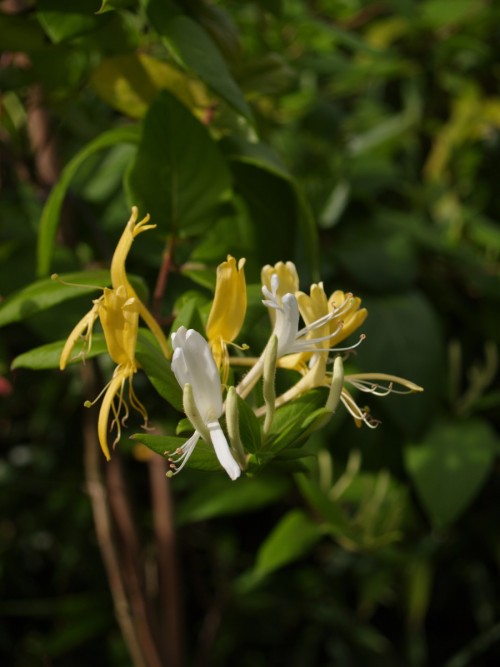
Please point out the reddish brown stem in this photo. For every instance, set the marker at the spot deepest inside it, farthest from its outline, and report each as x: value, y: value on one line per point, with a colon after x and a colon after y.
x: 131, y: 559
x: 170, y: 604
x: 106, y: 538
x: 161, y: 282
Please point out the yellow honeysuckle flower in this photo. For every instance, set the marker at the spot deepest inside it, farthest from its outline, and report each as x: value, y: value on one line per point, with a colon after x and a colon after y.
x: 288, y: 281
x: 228, y: 310
x: 336, y: 318
x: 347, y: 318
x: 118, y: 310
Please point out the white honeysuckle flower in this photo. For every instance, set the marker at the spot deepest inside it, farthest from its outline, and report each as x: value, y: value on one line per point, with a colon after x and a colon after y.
x: 291, y: 339
x: 195, y: 370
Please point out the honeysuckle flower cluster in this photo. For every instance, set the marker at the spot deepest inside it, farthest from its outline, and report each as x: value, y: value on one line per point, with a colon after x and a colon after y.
x: 307, y: 334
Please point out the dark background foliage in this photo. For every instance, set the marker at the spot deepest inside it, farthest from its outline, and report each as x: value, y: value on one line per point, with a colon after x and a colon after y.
x: 359, y: 139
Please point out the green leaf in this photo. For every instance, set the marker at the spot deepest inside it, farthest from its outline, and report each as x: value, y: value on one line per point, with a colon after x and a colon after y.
x: 157, y: 368
x: 450, y: 465
x: 377, y: 256
x: 403, y: 338
x: 250, y: 432
x: 47, y: 292
x: 441, y: 13
x: 292, y: 422
x: 187, y: 311
x: 293, y: 537
x: 52, y: 209
x: 202, y: 458
x: 274, y: 206
x: 20, y: 33
x: 178, y: 175
x: 47, y: 356
x: 113, y: 5
x: 222, y: 497
x: 321, y: 503
x: 193, y: 48
x: 64, y: 20
x: 130, y: 82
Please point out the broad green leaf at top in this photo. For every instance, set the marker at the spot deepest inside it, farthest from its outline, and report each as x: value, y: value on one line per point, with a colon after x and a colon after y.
x: 179, y: 175
x: 193, y: 48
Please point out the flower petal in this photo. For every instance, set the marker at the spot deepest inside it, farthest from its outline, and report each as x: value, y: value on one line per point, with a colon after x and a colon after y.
x: 222, y: 450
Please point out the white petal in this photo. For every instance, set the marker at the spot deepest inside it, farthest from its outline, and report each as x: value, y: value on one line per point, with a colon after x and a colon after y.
x: 179, y: 337
x: 287, y: 324
x: 180, y: 368
x: 205, y: 378
x: 222, y: 450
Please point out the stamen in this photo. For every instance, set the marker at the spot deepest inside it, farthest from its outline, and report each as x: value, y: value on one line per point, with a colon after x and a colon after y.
x: 182, y: 455
x: 57, y: 278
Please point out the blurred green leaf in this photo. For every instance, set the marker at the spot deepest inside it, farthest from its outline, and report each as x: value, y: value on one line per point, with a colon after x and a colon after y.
x: 441, y: 13
x: 449, y: 466
x: 403, y: 337
x: 52, y: 209
x: 64, y: 20
x: 328, y: 509
x: 271, y: 204
x: 377, y: 257
x: 47, y: 292
x: 20, y: 33
x: 112, y: 5
x: 222, y: 497
x: 130, y: 82
x: 168, y: 178
x: 292, y: 538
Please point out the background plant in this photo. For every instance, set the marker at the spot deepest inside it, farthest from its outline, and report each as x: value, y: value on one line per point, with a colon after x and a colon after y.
x: 358, y: 139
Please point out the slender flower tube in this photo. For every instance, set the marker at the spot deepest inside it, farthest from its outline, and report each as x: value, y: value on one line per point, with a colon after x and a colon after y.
x: 195, y: 369
x: 118, y: 310
x: 228, y: 310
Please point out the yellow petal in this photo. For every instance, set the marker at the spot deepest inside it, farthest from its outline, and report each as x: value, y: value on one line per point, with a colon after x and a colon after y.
x: 84, y: 325
x: 119, y: 317
x: 230, y: 302
x: 114, y: 387
x: 119, y: 275
x: 287, y: 276
x: 132, y: 229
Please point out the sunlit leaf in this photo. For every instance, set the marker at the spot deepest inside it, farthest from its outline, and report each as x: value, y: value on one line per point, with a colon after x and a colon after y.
x: 129, y: 83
